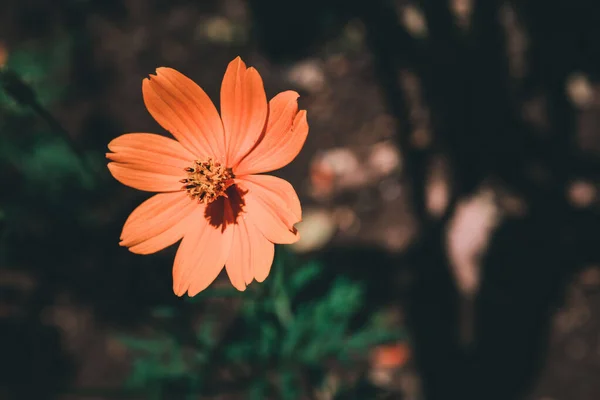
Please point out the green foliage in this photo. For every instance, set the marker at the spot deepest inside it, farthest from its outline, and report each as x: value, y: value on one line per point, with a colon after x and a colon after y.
x: 40, y: 65
x: 39, y: 166
x: 285, y: 333
x: 42, y: 159
x: 278, y: 341
x: 46, y: 174
x: 47, y: 163
x: 163, y: 360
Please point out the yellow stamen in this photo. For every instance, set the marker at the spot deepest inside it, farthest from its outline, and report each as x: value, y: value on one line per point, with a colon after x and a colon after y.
x: 207, y: 180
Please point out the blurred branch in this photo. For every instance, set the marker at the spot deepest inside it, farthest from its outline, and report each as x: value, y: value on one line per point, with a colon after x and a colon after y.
x: 23, y: 94
x: 433, y: 307
x: 393, y: 49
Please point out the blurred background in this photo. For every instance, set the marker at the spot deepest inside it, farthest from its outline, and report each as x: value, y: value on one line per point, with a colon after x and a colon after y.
x: 451, y: 235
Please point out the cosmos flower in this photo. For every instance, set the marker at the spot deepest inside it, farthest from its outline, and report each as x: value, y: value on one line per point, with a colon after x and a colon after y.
x: 210, y: 193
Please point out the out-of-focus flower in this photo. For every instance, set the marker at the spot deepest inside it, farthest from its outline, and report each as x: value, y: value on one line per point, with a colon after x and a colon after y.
x: 308, y: 75
x: 580, y: 90
x: 210, y: 194
x: 384, y: 158
x: 386, y: 361
x: 317, y: 228
x: 414, y: 20
x: 581, y: 193
x: 390, y: 356
x: 468, y: 235
x: 322, y: 178
x: 462, y: 10
x: 3, y: 55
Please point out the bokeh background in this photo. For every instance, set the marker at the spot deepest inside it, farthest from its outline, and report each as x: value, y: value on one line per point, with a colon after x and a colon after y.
x: 451, y: 233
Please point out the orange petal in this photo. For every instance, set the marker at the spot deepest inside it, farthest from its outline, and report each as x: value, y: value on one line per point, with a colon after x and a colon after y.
x: 148, y: 178
x: 390, y: 356
x: 272, y: 205
x: 279, y: 191
x: 251, y: 255
x: 243, y: 109
x: 283, y: 139
x: 185, y: 110
x: 158, y: 222
x: 145, y: 148
x: 149, y: 162
x: 201, y: 255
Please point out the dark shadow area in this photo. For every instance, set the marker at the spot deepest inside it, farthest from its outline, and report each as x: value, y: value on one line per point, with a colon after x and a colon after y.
x: 33, y: 364
x: 69, y: 243
x: 479, y: 126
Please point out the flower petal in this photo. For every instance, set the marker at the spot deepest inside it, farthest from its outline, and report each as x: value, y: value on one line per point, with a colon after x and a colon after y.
x: 201, y: 255
x: 283, y: 138
x: 272, y: 205
x: 158, y: 222
x: 243, y: 109
x: 185, y: 110
x: 150, y: 178
x: 149, y: 162
x: 149, y: 148
x: 279, y: 191
x: 251, y: 255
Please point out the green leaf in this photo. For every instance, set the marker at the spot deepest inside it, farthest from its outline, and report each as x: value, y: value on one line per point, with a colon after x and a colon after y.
x: 289, y: 385
x: 258, y: 389
x: 40, y: 65
x: 206, y: 333
x: 240, y: 351
x: 268, y: 342
x: 304, y: 275
x: 50, y: 164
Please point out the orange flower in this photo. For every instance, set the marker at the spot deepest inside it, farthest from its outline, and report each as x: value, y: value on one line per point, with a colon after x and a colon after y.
x: 210, y: 195
x: 390, y: 356
x: 3, y: 55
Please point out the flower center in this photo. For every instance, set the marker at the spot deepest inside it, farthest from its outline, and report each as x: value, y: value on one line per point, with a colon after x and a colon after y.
x: 207, y: 180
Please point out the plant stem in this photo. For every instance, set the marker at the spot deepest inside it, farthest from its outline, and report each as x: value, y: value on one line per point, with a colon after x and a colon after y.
x: 23, y: 94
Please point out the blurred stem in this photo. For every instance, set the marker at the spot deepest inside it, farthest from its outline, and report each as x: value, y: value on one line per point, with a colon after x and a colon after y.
x: 283, y: 306
x: 23, y: 94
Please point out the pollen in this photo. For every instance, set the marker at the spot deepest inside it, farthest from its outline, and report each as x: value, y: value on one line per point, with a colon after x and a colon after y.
x: 207, y: 180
